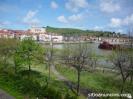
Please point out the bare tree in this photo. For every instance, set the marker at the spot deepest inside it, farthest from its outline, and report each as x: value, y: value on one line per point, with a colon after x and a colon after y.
x: 130, y: 37
x: 77, y: 56
x: 120, y: 59
x: 130, y: 58
x: 49, y: 55
x: 93, y: 61
x: 123, y: 61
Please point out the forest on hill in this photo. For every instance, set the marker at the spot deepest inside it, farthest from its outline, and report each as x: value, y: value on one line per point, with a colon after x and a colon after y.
x: 73, y: 31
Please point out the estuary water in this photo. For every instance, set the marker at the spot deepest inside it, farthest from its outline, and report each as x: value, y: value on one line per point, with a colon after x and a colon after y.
x: 103, y: 59
x: 93, y: 46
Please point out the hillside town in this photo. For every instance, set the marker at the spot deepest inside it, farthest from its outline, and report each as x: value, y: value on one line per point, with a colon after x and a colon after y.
x: 66, y: 49
x: 40, y: 34
x: 36, y: 33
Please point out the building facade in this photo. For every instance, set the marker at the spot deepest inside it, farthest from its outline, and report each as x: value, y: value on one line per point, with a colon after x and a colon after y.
x: 36, y: 33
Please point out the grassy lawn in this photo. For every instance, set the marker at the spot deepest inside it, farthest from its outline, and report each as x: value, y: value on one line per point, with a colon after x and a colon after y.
x: 96, y: 81
x: 21, y: 87
x: 9, y: 87
x: 43, y: 69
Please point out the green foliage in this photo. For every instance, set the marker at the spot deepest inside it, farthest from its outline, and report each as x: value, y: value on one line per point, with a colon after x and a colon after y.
x: 73, y: 32
x: 30, y: 51
x: 7, y: 48
x: 96, y: 81
x: 19, y: 84
x: 22, y: 87
x: 22, y: 53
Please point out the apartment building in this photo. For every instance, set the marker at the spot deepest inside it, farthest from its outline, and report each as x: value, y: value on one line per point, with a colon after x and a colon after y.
x: 37, y: 30
x: 36, y: 33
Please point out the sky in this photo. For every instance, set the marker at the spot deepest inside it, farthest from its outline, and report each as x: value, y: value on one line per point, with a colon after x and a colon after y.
x: 105, y: 15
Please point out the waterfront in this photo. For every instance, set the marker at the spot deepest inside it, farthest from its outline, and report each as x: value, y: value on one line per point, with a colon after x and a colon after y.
x: 103, y: 55
x: 93, y: 46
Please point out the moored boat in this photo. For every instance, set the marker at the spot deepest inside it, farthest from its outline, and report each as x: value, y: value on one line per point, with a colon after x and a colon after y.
x: 108, y: 46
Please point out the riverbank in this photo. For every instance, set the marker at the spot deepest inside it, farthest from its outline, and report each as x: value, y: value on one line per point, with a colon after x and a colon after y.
x: 77, y: 42
x: 98, y: 81
x: 64, y: 42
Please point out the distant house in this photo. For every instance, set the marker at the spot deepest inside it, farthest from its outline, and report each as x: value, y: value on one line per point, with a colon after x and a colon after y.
x: 37, y: 30
x: 49, y: 37
x: 58, y: 38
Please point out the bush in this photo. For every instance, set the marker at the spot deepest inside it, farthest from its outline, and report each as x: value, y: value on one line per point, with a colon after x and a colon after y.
x: 32, y: 88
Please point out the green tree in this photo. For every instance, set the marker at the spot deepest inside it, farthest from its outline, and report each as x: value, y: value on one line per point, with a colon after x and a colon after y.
x: 7, y: 47
x: 17, y: 59
x: 30, y: 52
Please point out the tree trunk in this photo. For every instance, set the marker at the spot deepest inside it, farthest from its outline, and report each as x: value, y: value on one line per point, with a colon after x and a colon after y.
x: 15, y: 68
x: 51, y: 57
x: 131, y: 79
x: 29, y: 67
x: 78, y: 85
x: 49, y: 71
x: 29, y: 63
x: 123, y: 84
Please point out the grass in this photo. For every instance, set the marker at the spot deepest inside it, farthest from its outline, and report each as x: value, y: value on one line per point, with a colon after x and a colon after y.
x: 20, y: 86
x: 97, y: 81
x: 10, y: 89
x: 44, y: 70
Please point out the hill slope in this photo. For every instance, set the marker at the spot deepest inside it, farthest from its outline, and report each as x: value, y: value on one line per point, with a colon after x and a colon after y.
x: 72, y: 31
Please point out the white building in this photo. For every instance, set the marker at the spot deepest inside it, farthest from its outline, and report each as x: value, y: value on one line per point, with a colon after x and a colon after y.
x: 58, y: 38
x: 38, y: 30
x: 36, y: 33
x: 48, y: 37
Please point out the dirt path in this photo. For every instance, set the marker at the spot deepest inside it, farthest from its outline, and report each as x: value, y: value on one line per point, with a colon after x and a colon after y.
x: 70, y: 84
x: 4, y: 95
x: 58, y: 75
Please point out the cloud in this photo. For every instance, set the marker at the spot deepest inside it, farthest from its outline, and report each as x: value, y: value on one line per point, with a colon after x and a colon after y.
x: 128, y: 20
x: 119, y: 31
x: 75, y: 5
x: 109, y: 6
x: 98, y: 28
x: 30, y: 18
x: 54, y: 5
x: 75, y: 17
x: 30, y: 15
x: 117, y: 22
x: 5, y: 23
x: 62, y: 19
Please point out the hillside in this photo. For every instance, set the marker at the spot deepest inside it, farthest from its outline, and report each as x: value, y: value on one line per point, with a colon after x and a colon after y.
x: 72, y: 31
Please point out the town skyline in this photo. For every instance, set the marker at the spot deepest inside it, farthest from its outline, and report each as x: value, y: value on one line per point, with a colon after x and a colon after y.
x: 101, y: 15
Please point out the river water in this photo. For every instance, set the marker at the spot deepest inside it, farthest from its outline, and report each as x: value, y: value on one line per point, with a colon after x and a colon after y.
x: 103, y: 60
x: 93, y: 46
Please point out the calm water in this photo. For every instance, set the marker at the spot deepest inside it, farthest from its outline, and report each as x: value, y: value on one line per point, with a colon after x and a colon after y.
x: 103, y: 61
x: 93, y: 46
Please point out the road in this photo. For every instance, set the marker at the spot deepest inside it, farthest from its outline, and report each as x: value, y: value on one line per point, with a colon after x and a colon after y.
x: 4, y: 95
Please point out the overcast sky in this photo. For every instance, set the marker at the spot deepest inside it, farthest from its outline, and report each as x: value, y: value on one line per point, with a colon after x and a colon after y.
x: 113, y: 15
